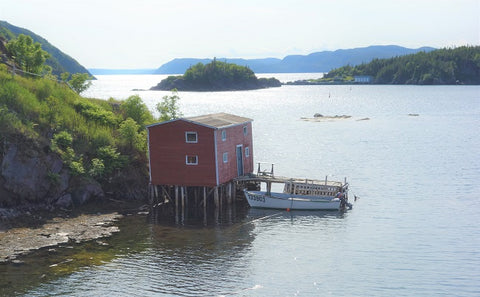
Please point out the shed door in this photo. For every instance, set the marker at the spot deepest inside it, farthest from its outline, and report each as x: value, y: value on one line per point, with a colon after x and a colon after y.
x: 239, y: 160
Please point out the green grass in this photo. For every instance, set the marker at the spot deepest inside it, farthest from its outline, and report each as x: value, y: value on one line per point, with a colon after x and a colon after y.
x: 37, y: 109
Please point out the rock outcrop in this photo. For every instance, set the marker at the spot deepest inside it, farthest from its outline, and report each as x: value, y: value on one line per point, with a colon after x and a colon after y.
x: 30, y: 176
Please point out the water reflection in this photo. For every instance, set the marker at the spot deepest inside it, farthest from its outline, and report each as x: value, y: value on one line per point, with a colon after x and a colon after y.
x: 187, y: 256
x: 293, y: 215
x: 54, y: 263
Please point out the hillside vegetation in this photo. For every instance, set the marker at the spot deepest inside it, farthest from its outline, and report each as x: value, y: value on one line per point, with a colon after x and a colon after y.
x: 56, y: 143
x: 216, y: 76
x: 57, y: 60
x: 444, y: 66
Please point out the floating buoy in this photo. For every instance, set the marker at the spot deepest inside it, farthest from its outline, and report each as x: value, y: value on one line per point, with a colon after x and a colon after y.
x: 288, y: 209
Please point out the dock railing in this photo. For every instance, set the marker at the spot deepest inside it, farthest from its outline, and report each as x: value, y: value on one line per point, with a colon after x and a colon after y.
x: 262, y: 171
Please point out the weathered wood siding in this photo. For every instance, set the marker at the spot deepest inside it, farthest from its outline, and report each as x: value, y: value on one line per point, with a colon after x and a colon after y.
x: 168, y: 150
x: 234, y: 136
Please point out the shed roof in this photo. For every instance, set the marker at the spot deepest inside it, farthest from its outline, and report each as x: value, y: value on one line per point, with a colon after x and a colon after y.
x: 219, y: 120
x: 214, y: 120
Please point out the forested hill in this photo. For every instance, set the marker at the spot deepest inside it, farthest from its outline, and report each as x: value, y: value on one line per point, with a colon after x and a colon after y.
x: 216, y: 76
x: 459, y: 65
x: 59, y: 61
x: 314, y: 62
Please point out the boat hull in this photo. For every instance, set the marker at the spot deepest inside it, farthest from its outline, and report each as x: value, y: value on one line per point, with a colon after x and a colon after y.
x: 260, y: 199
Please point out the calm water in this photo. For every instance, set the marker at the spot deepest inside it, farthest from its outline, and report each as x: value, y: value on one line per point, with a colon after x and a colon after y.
x: 414, y: 231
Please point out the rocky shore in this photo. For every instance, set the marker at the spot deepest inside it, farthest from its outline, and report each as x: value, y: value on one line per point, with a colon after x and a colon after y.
x: 19, y: 241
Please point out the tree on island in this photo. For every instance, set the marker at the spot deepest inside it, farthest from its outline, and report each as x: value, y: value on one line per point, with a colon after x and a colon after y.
x: 216, y: 76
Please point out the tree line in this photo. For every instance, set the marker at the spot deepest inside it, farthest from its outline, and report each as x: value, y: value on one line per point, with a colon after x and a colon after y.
x: 459, y: 65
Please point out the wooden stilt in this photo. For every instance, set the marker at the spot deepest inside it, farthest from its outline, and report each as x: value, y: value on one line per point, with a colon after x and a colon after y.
x: 195, y: 196
x: 234, y: 191
x: 229, y: 193
x: 204, y: 205
x: 182, y: 196
x: 204, y: 200
x: 176, y: 204
x: 215, y: 197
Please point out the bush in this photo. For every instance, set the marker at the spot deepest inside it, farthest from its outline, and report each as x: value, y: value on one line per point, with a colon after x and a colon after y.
x: 135, y: 109
x: 97, y: 168
x: 76, y: 168
x: 112, y: 159
x: 62, y: 141
x: 96, y: 113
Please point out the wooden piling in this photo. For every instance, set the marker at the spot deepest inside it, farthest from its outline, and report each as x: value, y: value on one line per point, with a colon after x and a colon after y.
x: 182, y: 197
x: 215, y: 197
x: 229, y: 193
x: 204, y: 200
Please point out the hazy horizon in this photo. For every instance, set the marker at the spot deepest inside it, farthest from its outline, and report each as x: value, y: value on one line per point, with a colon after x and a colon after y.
x: 146, y: 33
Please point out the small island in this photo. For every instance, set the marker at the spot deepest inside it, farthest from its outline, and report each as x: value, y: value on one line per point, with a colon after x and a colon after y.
x: 216, y: 76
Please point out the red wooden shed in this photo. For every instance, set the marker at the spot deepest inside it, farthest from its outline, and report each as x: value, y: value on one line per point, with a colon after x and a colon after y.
x: 208, y: 150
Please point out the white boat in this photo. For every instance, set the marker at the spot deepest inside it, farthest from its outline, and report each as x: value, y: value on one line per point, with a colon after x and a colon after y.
x: 299, y: 194
x: 259, y: 199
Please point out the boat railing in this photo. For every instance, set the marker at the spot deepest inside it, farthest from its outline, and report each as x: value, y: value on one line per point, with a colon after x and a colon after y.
x: 311, y: 189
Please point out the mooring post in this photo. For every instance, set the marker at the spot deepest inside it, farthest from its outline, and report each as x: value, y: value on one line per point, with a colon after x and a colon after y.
x: 269, y: 188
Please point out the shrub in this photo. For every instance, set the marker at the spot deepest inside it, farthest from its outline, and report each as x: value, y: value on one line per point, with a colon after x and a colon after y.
x: 76, y: 168
x: 97, y: 168
x: 135, y: 109
x: 62, y: 141
x: 111, y: 159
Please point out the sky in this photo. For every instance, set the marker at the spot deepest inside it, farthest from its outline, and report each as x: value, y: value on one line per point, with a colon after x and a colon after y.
x: 122, y: 34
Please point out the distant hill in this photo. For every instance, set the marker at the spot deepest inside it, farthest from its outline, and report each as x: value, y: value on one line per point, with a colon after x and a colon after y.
x: 59, y: 61
x: 315, y: 62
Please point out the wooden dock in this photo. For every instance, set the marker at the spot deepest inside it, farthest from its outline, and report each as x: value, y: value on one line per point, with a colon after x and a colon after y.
x: 179, y: 200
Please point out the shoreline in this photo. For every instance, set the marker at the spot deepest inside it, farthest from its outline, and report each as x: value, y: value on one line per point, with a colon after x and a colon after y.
x: 26, y: 234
